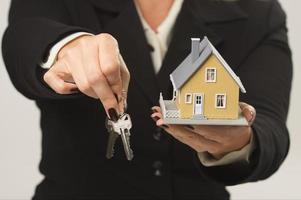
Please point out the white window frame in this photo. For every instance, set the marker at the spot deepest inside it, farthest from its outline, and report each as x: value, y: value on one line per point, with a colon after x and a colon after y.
x: 206, y: 75
x: 191, y: 98
x: 225, y: 103
x: 175, y: 95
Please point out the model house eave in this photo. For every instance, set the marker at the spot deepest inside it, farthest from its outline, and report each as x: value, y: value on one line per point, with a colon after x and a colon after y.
x: 188, y: 67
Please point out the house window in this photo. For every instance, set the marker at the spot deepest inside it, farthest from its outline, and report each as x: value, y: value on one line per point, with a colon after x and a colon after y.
x: 220, y: 101
x: 210, y: 75
x: 188, y: 98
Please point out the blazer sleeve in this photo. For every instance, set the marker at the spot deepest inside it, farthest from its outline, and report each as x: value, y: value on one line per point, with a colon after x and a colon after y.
x: 34, y: 27
x: 267, y: 76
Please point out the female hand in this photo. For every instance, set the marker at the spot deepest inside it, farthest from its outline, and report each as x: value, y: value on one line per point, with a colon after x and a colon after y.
x: 216, y: 140
x: 96, y: 67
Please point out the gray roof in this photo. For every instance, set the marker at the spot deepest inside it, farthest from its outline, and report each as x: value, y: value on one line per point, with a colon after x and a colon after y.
x: 186, y: 69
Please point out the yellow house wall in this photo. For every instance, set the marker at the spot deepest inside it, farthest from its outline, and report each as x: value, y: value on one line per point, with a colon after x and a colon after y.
x: 224, y: 85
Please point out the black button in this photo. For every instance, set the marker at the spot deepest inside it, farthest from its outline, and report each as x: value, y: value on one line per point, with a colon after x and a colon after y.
x: 157, y: 165
x: 158, y: 134
x: 150, y: 47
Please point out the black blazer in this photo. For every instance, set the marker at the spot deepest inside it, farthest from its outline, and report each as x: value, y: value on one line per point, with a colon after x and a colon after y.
x: 250, y: 34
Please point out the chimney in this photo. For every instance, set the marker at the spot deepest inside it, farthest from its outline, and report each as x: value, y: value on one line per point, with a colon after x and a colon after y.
x: 195, y: 49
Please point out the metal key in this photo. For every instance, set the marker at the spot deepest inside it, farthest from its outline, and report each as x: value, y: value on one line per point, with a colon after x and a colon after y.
x: 111, y: 140
x: 121, y: 127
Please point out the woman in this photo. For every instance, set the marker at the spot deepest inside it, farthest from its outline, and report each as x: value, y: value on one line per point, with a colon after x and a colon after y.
x: 74, y: 58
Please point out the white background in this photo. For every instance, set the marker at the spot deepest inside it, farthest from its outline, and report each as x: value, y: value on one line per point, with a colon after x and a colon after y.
x: 20, y: 137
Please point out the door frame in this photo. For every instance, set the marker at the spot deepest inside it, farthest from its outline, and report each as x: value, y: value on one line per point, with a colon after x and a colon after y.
x: 194, y: 103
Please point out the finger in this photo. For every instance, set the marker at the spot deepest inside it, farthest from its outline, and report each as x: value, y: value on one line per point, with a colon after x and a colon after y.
x: 215, y: 133
x: 156, y: 109
x: 74, y: 64
x: 63, y: 73
x: 56, y: 82
x: 156, y: 114
x: 97, y: 80
x: 248, y: 111
x: 109, y: 61
x: 195, y: 141
x: 209, y: 132
x: 155, y: 118
x: 181, y: 133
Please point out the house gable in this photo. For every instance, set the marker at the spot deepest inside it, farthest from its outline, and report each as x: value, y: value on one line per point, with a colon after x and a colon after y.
x: 224, y: 84
x: 189, y: 66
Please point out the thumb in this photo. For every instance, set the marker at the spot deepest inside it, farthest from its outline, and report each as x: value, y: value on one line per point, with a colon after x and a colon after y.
x: 248, y: 111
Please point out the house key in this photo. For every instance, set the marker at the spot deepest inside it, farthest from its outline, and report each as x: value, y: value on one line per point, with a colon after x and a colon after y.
x: 121, y: 127
x: 113, y: 136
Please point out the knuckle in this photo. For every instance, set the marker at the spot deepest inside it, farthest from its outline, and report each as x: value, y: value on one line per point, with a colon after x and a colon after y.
x: 106, y: 37
x: 69, y: 53
x: 84, y: 86
x: 214, y: 149
x: 83, y: 43
x: 61, y: 88
x: 253, y: 109
x: 110, y: 68
x: 94, y: 77
x: 199, y: 148
x: 47, y: 76
x: 191, y: 136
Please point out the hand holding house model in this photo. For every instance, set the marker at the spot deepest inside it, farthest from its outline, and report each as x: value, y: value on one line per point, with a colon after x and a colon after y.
x: 206, y: 90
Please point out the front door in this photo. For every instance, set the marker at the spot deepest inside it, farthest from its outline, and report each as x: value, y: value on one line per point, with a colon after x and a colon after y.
x: 198, y: 104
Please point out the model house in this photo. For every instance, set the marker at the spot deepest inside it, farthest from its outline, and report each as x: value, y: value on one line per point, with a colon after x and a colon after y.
x: 205, y: 88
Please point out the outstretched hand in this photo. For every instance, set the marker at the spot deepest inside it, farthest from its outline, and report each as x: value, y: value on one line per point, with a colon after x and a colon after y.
x: 216, y: 140
x: 92, y: 65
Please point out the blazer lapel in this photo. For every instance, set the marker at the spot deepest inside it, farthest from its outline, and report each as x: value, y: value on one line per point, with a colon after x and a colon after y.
x: 194, y: 21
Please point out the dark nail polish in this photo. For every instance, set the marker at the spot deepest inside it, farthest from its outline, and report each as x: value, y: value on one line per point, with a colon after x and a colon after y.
x: 164, y: 126
x: 113, y: 114
x: 152, y: 111
x: 155, y: 118
x: 190, y: 127
x: 74, y: 90
x: 150, y: 47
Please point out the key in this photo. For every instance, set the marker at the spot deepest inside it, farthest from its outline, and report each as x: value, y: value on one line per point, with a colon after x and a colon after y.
x: 125, y: 136
x: 121, y: 127
x: 113, y: 136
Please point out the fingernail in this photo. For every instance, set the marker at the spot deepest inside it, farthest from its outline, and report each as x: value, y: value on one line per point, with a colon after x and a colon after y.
x: 164, y: 126
x: 155, y: 118
x: 74, y: 90
x: 113, y: 114
x: 190, y: 127
x: 152, y: 111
